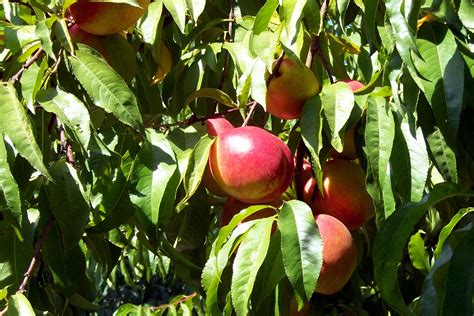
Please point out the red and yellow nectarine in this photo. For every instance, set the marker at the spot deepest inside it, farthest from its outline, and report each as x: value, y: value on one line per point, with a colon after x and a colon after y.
x: 251, y: 164
x: 344, y: 194
x: 339, y: 255
x: 289, y: 89
x: 103, y: 18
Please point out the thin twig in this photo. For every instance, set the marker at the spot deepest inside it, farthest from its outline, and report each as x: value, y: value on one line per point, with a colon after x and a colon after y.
x: 184, y: 299
x: 194, y: 119
x: 27, y: 64
x: 253, y: 105
x: 39, y: 245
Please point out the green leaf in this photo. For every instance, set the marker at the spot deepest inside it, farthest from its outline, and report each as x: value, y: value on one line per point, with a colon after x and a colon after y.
x: 312, y: 132
x: 62, y: 33
x: 402, y: 33
x: 271, y: 272
x: 446, y: 231
x: 247, y: 262
x: 66, y: 266
x: 18, y: 305
x: 217, y: 261
x: 301, y: 247
x: 448, y: 289
x: 31, y: 81
x: 216, y: 94
x: 259, y: 83
x: 196, y: 7
x: 370, y: 19
x: 177, y: 8
x: 466, y: 14
x: 106, y: 88
x: 150, y: 22
x: 311, y: 18
x: 379, y: 136
x: 70, y: 111
x: 116, y: 202
x: 440, y: 80
x: 444, y: 156
x: 15, y: 256
x: 419, y: 162
x: 393, y: 236
x: 195, y: 168
x: 68, y: 203
x: 44, y: 34
x: 338, y: 101
x: 14, y: 122
x: 264, y: 15
x: 418, y: 254
x: 292, y: 13
x: 9, y: 188
x: 154, y: 182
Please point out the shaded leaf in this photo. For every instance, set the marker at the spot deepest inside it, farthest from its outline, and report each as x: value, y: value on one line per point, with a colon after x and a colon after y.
x: 393, y: 236
x: 68, y: 204
x: 18, y: 305
x: 14, y: 122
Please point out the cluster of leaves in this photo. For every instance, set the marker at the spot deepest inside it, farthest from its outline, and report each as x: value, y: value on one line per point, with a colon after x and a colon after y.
x: 95, y: 169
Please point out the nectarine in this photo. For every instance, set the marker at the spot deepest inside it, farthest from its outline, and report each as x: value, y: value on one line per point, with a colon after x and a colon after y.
x: 103, y: 18
x: 289, y: 89
x: 251, y: 164
x: 344, y: 194
x: 339, y: 255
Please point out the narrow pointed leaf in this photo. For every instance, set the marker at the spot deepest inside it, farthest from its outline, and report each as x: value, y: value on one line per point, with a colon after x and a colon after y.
x: 18, y: 305
x: 444, y: 156
x: 418, y: 255
x: 312, y: 132
x: 177, y: 8
x: 380, y: 133
x: 70, y: 111
x: 154, y: 181
x: 446, y: 231
x: 301, y: 247
x: 441, y: 83
x: 14, y: 122
x: 217, y: 261
x: 247, y: 262
x: 292, y: 10
x: 338, y: 101
x: 106, y: 88
x: 9, y: 188
x: 197, y: 164
x: 68, y: 203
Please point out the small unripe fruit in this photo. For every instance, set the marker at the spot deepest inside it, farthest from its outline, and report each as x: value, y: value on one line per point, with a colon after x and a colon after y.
x: 290, y: 88
x: 339, y: 255
x: 344, y: 194
x: 251, y: 164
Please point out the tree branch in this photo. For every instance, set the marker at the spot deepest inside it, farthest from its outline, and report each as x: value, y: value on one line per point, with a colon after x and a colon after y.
x: 27, y: 64
x: 194, y: 119
x: 27, y: 276
x: 184, y: 299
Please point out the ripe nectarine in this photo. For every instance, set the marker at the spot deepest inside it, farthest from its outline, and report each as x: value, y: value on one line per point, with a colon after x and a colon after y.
x: 102, y: 18
x: 339, y: 255
x: 251, y: 164
x: 290, y: 88
x: 344, y: 194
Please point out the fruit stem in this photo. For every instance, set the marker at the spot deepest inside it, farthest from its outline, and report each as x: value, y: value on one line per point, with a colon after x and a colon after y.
x: 253, y: 105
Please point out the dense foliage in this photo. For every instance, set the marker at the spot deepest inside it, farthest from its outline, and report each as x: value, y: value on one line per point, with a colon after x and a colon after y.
x: 102, y: 154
